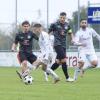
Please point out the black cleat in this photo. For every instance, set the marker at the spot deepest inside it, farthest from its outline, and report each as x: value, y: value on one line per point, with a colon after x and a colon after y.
x: 19, y: 74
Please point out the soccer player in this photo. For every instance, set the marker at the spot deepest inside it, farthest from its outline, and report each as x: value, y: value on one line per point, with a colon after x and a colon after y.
x: 25, y: 41
x: 46, y: 50
x: 84, y: 40
x: 51, y: 61
x: 60, y: 29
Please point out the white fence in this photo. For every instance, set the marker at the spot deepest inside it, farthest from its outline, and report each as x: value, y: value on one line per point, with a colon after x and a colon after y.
x: 8, y: 59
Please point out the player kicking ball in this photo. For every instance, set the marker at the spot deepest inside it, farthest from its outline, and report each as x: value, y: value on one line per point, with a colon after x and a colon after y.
x: 25, y: 54
x: 46, y: 51
x: 25, y: 40
x: 52, y: 55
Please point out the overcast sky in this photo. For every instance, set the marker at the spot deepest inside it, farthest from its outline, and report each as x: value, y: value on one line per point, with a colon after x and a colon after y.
x: 27, y: 9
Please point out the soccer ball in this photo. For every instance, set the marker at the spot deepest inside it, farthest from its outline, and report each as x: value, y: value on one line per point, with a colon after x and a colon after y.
x: 28, y: 80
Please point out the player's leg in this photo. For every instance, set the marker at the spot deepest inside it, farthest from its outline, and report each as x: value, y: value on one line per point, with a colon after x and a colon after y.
x: 50, y: 61
x: 50, y: 72
x: 64, y: 64
x: 19, y: 60
x: 46, y: 76
x: 65, y: 71
x: 45, y: 62
x: 34, y: 61
x: 61, y: 59
x: 93, y: 62
x: 56, y: 64
x: 81, y: 61
x: 23, y: 62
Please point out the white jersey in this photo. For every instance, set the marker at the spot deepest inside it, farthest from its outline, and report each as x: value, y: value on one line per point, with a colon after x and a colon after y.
x: 51, y: 39
x: 86, y: 37
x: 44, y: 43
x: 45, y: 48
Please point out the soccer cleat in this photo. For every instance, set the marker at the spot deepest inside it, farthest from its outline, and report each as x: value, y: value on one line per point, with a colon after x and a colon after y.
x: 70, y: 80
x: 19, y: 74
x: 56, y: 80
x: 46, y: 79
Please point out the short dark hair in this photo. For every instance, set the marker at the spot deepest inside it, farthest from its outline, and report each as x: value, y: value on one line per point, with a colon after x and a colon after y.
x: 62, y: 14
x: 82, y: 19
x: 25, y: 23
x: 37, y: 25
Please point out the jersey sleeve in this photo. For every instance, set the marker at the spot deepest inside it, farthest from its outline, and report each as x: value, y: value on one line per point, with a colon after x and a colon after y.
x: 76, y: 39
x: 51, y: 28
x: 95, y: 34
x: 16, y: 39
x: 69, y: 31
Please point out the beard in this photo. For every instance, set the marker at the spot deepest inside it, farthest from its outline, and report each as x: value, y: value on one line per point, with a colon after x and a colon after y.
x: 83, y: 27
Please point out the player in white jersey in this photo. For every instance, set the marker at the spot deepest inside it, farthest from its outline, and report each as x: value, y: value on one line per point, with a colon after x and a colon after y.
x: 46, y: 50
x: 84, y: 40
x: 52, y: 54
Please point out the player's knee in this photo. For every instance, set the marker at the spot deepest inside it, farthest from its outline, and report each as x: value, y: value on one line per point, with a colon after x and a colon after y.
x: 24, y: 63
x: 57, y: 61
x: 63, y: 60
x: 94, y: 64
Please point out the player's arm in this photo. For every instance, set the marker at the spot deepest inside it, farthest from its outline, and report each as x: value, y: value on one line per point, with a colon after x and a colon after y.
x: 52, y: 28
x: 75, y: 40
x: 69, y: 31
x: 15, y: 43
x: 13, y: 47
x: 95, y: 34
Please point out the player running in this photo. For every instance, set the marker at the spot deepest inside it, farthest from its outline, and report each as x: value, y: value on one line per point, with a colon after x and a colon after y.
x: 84, y: 40
x: 60, y: 29
x: 25, y: 41
x: 46, y: 51
x: 52, y: 53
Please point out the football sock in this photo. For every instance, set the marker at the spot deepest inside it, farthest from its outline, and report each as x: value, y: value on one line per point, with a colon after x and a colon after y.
x: 25, y: 73
x: 54, y: 66
x: 65, y: 71
x: 46, y: 76
x: 76, y: 73
x: 52, y: 73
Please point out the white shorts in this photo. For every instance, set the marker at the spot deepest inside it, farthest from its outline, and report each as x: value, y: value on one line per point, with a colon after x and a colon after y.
x: 87, y: 56
x: 47, y: 58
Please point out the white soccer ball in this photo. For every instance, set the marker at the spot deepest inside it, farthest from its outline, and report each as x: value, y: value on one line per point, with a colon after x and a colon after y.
x: 28, y: 80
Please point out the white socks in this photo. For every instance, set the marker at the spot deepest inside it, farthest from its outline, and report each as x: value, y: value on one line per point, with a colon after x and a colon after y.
x: 76, y: 73
x: 25, y: 73
x: 52, y: 73
x: 46, y: 76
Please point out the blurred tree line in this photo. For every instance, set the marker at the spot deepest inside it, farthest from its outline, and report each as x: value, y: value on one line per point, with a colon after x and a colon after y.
x: 7, y: 40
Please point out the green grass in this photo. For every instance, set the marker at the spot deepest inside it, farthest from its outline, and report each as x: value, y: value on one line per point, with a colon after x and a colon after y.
x: 86, y: 88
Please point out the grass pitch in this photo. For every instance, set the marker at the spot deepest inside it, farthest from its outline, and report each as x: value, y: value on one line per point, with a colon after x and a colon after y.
x: 86, y: 88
